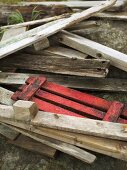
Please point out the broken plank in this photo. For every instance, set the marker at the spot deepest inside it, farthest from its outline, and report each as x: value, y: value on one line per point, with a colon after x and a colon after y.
x: 83, y: 83
x: 5, y: 96
x: 18, y: 42
x: 32, y: 145
x: 94, y: 49
x: 58, y: 64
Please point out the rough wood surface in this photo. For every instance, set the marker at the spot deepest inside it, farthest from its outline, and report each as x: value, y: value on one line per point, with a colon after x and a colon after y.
x: 78, y: 125
x: 58, y: 64
x: 8, y: 132
x: 26, y: 11
x: 32, y: 145
x: 80, y: 4
x: 19, y: 42
x: 66, y: 52
x: 112, y: 16
x: 61, y: 146
x: 94, y: 49
x: 102, y: 145
x: 84, y: 83
x: 35, y: 22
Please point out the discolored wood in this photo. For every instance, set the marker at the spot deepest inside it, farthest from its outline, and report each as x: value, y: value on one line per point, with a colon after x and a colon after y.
x: 58, y: 64
x: 32, y: 145
x: 83, y: 83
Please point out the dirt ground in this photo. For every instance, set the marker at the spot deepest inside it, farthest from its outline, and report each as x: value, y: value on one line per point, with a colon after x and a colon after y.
x: 112, y: 34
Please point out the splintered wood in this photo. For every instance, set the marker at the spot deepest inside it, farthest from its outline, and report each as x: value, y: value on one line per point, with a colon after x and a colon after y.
x: 48, y: 56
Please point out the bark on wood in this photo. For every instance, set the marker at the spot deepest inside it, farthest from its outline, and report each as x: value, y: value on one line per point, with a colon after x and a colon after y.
x: 18, y: 42
x: 94, y: 49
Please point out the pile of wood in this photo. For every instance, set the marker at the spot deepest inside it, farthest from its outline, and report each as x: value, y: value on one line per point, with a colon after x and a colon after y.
x: 55, y: 46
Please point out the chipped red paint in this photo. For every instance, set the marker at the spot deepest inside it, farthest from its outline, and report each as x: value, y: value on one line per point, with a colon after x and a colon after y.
x: 51, y: 97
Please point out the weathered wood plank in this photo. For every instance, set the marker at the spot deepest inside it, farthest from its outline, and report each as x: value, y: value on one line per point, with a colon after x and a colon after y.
x: 58, y: 64
x: 78, y: 125
x: 112, y: 16
x: 26, y: 10
x: 8, y: 132
x: 105, y: 146
x: 19, y: 42
x: 94, y: 49
x: 32, y: 145
x: 79, y: 4
x: 83, y: 83
x: 35, y: 22
x: 66, y: 52
x: 61, y: 146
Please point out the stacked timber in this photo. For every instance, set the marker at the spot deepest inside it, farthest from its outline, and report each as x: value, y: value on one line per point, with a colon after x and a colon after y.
x: 55, y: 45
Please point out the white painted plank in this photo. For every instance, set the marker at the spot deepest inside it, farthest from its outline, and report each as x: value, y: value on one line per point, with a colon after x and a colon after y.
x: 30, y: 37
x: 94, y: 49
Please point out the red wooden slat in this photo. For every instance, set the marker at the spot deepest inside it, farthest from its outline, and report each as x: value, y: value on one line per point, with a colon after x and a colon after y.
x: 77, y: 96
x: 120, y: 120
x: 48, y: 107
x: 71, y: 105
x: 114, y: 112
x: 29, y: 91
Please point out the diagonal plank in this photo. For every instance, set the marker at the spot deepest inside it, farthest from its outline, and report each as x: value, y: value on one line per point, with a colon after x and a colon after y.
x: 19, y: 42
x: 94, y: 49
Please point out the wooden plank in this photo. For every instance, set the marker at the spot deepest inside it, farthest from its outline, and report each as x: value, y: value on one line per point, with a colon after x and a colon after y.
x: 8, y: 132
x: 66, y: 52
x: 61, y: 146
x: 81, y: 125
x: 78, y: 125
x: 26, y: 10
x: 5, y: 96
x: 32, y: 145
x: 84, y: 25
x: 112, y: 16
x: 84, y: 83
x: 58, y: 64
x: 19, y: 42
x: 35, y: 22
x: 94, y: 49
x: 101, y: 145
x: 79, y: 4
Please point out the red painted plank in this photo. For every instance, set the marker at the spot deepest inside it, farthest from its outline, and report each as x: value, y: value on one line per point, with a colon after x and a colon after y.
x: 48, y: 107
x: 114, y: 112
x: 29, y: 90
x: 77, y: 96
x: 120, y: 120
x: 70, y: 105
